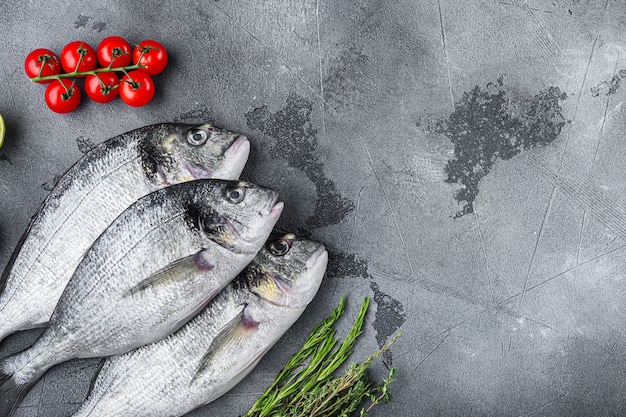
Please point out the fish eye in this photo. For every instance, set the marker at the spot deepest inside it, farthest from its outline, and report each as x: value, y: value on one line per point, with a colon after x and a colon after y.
x: 235, y: 194
x: 279, y: 247
x: 197, y: 137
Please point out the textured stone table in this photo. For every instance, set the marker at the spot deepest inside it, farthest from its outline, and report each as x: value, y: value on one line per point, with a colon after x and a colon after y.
x: 463, y: 160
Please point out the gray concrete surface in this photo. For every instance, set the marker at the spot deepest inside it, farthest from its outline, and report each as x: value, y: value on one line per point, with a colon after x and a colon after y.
x: 462, y: 159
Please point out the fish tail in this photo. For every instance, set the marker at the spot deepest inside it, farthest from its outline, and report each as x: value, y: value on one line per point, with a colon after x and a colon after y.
x: 11, y: 393
x: 18, y: 374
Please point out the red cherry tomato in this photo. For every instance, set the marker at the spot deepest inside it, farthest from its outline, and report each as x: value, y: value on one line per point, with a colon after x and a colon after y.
x: 154, y: 56
x: 103, y: 89
x: 42, y: 62
x: 62, y: 96
x: 136, y: 88
x: 114, y: 51
x: 78, y: 56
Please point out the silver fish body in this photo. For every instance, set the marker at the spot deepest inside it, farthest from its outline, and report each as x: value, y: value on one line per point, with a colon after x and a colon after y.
x: 155, y: 267
x: 91, y: 194
x: 218, y: 348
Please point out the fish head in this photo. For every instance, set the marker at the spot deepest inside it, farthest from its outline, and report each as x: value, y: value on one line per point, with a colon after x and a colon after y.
x: 287, y: 271
x: 238, y: 215
x: 176, y: 153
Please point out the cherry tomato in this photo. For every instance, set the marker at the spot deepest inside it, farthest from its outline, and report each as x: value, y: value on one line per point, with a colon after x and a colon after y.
x: 42, y: 62
x: 114, y: 51
x: 62, y: 96
x: 136, y: 88
x: 154, y: 56
x: 103, y: 89
x: 78, y: 56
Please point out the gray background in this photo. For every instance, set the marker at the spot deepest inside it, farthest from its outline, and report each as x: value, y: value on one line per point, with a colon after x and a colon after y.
x: 355, y: 110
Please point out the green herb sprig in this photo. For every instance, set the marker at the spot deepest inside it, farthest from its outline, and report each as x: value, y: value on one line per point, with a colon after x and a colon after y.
x: 312, y: 389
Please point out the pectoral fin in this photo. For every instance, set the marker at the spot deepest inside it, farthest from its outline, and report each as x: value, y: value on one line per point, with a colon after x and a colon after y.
x: 176, y: 271
x: 228, y: 339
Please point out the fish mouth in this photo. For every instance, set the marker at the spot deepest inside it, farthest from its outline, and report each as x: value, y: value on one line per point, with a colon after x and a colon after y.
x: 273, y: 208
x: 241, y: 145
x: 234, y: 160
x: 320, y: 255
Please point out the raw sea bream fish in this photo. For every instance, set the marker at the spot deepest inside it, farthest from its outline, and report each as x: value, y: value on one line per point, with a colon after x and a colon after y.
x: 153, y: 269
x: 220, y: 346
x: 91, y: 194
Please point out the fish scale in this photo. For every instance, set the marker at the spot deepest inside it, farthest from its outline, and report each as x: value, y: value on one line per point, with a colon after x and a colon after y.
x: 113, y: 303
x: 214, y: 351
x: 51, y: 259
x: 90, y: 195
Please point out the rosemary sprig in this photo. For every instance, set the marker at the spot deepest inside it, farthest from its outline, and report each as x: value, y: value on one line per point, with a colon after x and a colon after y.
x: 313, y: 390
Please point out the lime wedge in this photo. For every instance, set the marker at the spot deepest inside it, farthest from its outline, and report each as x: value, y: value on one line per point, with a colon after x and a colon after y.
x: 2, y: 128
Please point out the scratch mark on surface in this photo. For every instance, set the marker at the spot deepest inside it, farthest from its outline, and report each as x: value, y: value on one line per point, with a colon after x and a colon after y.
x: 438, y: 289
x: 152, y: 10
x: 568, y: 270
x: 606, y: 110
x: 418, y: 197
x: 484, y: 253
x: 604, y: 362
x: 501, y: 337
x: 608, y: 245
x: 445, y: 52
x: 553, y: 191
x: 319, y: 55
x: 531, y: 8
x: 391, y: 210
x: 580, y: 93
x: 534, y: 254
x: 546, y: 405
x: 580, y: 237
x: 432, y: 351
x: 584, y: 193
x: 272, y: 50
x: 356, y: 214
x: 543, y: 38
x: 445, y: 332
x: 9, y: 84
x: 460, y: 243
x: 595, y: 159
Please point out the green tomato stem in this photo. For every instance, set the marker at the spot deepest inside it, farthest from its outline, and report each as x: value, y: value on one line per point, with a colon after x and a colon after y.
x: 84, y: 73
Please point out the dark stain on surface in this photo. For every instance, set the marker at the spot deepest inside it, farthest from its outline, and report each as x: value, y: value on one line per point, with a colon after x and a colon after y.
x: 491, y: 123
x: 345, y: 78
x: 610, y: 87
x: 81, y: 21
x: 390, y: 316
x: 84, y: 144
x: 296, y: 142
x: 342, y: 264
x: 99, y: 26
x: 5, y: 158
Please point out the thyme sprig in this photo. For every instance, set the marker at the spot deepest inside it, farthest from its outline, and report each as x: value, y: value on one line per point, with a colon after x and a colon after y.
x: 307, y: 385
